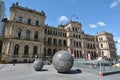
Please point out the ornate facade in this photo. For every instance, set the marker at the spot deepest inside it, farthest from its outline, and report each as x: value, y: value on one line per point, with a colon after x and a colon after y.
x: 27, y: 36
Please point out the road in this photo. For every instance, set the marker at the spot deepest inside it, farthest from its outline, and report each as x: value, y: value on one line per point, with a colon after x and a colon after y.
x: 26, y: 72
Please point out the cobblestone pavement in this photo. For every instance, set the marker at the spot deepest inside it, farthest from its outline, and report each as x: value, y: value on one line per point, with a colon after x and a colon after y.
x: 26, y: 72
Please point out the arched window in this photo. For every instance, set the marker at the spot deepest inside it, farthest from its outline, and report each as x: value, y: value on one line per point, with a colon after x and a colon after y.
x: 45, y: 52
x: 35, y: 50
x: 92, y: 54
x: 64, y: 42
x: 60, y: 42
x: 55, y: 42
x: 49, y: 52
x: 26, y: 48
x: 77, y: 44
x: 16, y: 49
x: 54, y: 51
x: 45, y: 31
x: 49, y: 41
x: 28, y: 34
x: 77, y: 54
x: 36, y: 35
x: 54, y: 33
x: 102, y: 54
x: 18, y: 32
x: 101, y: 45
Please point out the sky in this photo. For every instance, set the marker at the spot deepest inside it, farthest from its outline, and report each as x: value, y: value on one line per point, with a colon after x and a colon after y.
x: 94, y: 15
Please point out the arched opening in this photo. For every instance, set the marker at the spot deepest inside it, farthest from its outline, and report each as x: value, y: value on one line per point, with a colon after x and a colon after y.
x: 55, y: 42
x: 36, y: 35
x: 54, y: 51
x: 45, y: 52
x: 35, y: 50
x: 49, y: 41
x: 60, y: 42
x: 64, y: 42
x: 18, y: 32
x: 49, y: 52
x: 26, y: 48
x: 16, y: 49
x: 28, y: 34
x: 77, y: 54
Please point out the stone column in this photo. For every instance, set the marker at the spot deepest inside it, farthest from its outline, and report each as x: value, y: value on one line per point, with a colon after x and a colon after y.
x: 14, y: 32
x: 39, y: 36
x: 32, y: 34
x: 11, y: 28
x: 42, y: 50
x: 11, y: 49
x: 31, y: 49
x: 23, y: 34
x: 42, y: 35
x: 21, y: 50
x: 8, y: 46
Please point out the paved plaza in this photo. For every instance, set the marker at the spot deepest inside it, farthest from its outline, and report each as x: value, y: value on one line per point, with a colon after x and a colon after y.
x: 26, y: 72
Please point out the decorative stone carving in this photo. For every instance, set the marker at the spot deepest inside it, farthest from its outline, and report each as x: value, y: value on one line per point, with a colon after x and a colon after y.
x: 38, y: 65
x: 62, y: 61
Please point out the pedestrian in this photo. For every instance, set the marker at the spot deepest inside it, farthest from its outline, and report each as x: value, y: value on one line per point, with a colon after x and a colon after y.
x: 14, y: 62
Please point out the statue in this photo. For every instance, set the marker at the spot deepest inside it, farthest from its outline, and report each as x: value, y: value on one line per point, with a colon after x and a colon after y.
x: 38, y: 64
x: 62, y: 61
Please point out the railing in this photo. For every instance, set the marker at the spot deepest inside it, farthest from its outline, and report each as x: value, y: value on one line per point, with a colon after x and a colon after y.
x: 95, y: 66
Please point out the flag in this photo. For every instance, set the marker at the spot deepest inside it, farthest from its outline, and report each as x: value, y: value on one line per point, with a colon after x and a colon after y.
x: 73, y: 55
x: 89, y: 56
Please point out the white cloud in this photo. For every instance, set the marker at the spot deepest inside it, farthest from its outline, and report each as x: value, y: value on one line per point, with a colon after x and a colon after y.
x: 115, y: 3
x: 93, y: 25
x: 118, y: 41
x: 62, y: 19
x: 101, y: 23
x: 98, y: 24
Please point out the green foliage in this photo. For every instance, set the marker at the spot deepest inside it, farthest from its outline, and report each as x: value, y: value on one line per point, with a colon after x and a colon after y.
x: 1, y: 42
x: 118, y: 56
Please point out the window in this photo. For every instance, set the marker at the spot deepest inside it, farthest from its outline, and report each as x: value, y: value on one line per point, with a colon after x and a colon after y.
x: 49, y: 41
x: 60, y: 42
x: 55, y: 42
x: 20, y: 19
x: 29, y: 21
x: 26, y: 48
x: 16, y: 49
x: 64, y: 42
x: 79, y: 36
x: 36, y: 35
x: 49, y: 52
x: 35, y: 50
x: 27, y: 34
x: 100, y: 39
x: 101, y: 45
x: 37, y: 23
x: 79, y: 44
x: 54, y: 51
x: 18, y: 32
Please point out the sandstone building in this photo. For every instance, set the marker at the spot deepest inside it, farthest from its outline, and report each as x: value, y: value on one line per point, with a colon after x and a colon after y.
x: 27, y: 36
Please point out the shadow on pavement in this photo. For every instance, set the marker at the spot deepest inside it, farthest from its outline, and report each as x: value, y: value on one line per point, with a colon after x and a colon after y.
x: 77, y: 71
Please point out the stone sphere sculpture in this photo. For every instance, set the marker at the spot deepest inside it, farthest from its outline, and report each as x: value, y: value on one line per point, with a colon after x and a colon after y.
x: 38, y: 65
x: 62, y: 61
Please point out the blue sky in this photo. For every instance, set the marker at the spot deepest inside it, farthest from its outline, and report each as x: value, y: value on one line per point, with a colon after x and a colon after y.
x: 95, y: 15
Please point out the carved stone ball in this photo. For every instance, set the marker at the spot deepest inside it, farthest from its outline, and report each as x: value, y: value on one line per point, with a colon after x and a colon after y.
x: 38, y: 65
x: 62, y: 61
